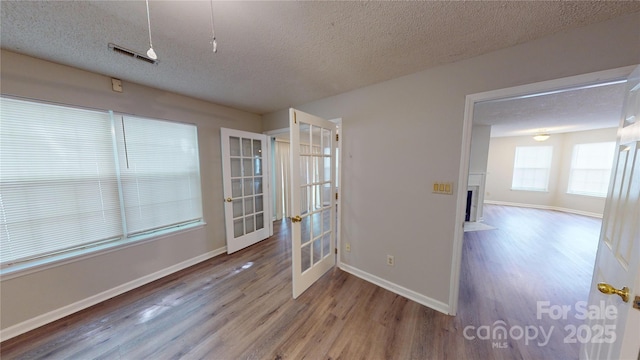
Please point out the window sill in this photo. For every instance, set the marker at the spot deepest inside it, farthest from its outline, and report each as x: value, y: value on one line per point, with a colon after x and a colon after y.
x: 530, y: 190
x: 587, y: 195
x: 29, y: 267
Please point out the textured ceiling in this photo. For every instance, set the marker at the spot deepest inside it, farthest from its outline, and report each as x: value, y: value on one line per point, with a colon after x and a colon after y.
x: 273, y: 55
x: 575, y: 110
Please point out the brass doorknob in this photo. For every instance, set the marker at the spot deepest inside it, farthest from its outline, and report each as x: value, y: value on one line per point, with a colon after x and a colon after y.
x: 610, y: 290
x: 296, y: 219
x: 229, y: 200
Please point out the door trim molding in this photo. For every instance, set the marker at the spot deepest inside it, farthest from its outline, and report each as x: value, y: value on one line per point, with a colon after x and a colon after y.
x: 463, y: 172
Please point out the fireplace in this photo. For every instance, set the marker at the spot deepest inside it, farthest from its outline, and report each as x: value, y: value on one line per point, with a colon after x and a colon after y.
x: 475, y: 197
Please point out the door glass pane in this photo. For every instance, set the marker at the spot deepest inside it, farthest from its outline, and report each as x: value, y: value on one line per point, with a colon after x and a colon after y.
x: 247, y: 167
x: 238, y: 227
x: 259, y: 221
x: 248, y: 187
x: 234, y: 146
x: 305, y: 230
x: 316, y: 139
x: 326, y: 220
x: 257, y: 186
x: 316, y: 222
x: 316, y: 169
x: 326, y: 169
x: 317, y: 250
x: 304, y: 199
x: 257, y: 148
x: 326, y: 195
x: 306, y: 257
x: 305, y: 142
x: 237, y: 208
x: 326, y: 142
x: 326, y: 244
x: 236, y: 169
x: 236, y: 188
x: 304, y: 170
x: 257, y: 167
x: 248, y: 205
x: 248, y: 223
x: 259, y: 203
x: 246, y: 147
x: 316, y: 198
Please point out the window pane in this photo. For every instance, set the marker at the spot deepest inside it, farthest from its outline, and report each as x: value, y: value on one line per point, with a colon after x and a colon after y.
x: 234, y: 146
x: 259, y: 203
x: 246, y: 147
x: 257, y: 148
x: 58, y: 179
x: 591, y: 168
x: 160, y: 173
x: 531, y: 168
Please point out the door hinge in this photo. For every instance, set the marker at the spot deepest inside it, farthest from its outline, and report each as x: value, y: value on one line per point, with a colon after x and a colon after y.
x: 294, y: 118
x: 336, y: 196
x: 336, y: 250
x: 337, y: 137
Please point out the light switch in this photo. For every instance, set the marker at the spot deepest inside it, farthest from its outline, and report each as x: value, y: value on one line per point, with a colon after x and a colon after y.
x: 443, y: 188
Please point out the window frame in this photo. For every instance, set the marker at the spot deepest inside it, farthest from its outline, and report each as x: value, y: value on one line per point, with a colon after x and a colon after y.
x: 20, y: 267
x: 606, y: 171
x: 516, y: 167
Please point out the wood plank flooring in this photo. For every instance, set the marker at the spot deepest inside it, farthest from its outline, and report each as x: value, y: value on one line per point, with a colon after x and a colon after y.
x: 239, y: 306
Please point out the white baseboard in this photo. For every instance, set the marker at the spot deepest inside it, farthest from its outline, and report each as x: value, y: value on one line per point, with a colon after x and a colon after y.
x: 544, y: 207
x: 402, y: 291
x: 57, y: 314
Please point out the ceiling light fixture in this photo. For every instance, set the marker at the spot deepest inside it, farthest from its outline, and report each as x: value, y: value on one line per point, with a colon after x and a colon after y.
x: 214, y: 43
x: 150, y: 53
x: 541, y: 137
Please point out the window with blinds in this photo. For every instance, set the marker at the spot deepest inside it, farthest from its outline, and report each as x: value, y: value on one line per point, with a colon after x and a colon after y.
x: 591, y: 168
x: 160, y: 173
x: 65, y: 186
x: 531, y: 168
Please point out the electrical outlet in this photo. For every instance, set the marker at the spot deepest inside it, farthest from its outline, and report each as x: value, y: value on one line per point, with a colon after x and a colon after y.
x: 390, y: 260
x: 116, y: 85
x: 347, y: 247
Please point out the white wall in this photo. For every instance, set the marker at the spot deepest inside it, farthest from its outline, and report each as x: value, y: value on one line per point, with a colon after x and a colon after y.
x: 402, y: 135
x: 479, y: 155
x: 40, y: 296
x: 500, y: 172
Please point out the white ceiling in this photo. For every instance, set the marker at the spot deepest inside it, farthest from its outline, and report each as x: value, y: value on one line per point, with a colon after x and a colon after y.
x: 276, y: 54
x: 567, y: 111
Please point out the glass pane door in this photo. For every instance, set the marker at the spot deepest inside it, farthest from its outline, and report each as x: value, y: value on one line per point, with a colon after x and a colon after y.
x: 245, y: 179
x: 313, y: 153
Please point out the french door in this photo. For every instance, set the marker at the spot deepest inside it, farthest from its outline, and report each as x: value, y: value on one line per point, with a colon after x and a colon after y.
x: 245, y: 164
x: 313, y: 198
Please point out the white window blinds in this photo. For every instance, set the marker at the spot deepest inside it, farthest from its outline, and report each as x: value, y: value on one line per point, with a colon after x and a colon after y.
x: 531, y: 168
x: 58, y: 181
x: 73, y: 178
x: 160, y: 173
x: 591, y: 168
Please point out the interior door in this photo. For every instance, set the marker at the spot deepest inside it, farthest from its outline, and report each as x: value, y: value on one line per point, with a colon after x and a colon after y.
x: 313, y: 201
x: 245, y: 167
x: 616, y: 274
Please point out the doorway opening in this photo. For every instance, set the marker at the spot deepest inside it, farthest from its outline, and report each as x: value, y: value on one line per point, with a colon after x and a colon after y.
x: 559, y: 86
x: 502, y: 263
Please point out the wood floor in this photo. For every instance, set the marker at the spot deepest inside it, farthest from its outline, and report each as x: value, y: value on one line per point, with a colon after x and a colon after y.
x: 240, y: 307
